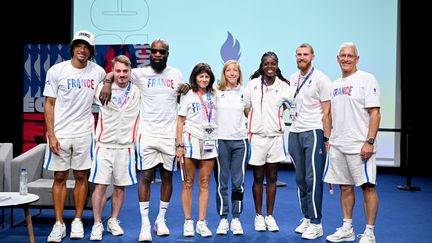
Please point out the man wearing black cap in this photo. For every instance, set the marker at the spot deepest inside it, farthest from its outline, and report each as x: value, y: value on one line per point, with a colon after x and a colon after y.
x: 69, y: 90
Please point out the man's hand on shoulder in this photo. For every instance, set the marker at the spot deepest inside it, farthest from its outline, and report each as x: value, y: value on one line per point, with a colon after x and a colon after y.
x: 183, y: 88
x: 105, y: 94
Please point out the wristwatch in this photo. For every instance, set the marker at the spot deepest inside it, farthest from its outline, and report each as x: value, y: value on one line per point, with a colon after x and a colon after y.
x: 370, y: 140
x: 326, y: 139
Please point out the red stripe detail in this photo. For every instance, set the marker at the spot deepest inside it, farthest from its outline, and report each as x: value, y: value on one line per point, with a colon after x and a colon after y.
x: 101, y: 126
x: 250, y: 120
x: 134, y: 129
x: 279, y: 119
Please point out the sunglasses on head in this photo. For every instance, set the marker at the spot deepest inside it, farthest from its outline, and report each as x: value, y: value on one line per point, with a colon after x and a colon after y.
x: 161, y: 51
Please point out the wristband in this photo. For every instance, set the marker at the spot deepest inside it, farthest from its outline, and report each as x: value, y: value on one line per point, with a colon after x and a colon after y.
x: 108, y: 81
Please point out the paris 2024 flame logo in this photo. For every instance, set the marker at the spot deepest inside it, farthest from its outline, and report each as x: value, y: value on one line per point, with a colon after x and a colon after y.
x: 230, y: 49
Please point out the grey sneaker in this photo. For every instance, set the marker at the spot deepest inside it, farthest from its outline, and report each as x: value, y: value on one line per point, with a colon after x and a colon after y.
x: 77, y: 229
x: 114, y: 227
x: 342, y: 234
x: 97, y: 231
x: 58, y: 232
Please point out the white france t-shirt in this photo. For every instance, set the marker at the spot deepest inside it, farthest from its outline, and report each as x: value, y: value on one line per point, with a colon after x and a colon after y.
x: 73, y: 89
x: 158, y: 109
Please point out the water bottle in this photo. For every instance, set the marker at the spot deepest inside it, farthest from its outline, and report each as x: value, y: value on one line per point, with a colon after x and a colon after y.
x: 23, y: 182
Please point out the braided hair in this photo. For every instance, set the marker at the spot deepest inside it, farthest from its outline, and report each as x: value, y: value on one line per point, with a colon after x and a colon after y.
x: 260, y: 71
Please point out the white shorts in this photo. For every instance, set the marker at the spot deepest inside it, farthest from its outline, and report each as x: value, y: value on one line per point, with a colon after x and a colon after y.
x: 75, y: 153
x: 153, y: 151
x: 194, y: 148
x: 266, y: 150
x: 349, y: 169
x: 113, y: 164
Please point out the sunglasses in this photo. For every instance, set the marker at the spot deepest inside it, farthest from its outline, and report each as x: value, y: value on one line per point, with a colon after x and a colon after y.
x: 161, y: 51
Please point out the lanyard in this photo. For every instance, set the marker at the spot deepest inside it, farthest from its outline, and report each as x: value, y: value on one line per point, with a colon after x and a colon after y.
x: 128, y: 89
x: 124, y: 98
x: 304, y: 81
x: 208, y: 114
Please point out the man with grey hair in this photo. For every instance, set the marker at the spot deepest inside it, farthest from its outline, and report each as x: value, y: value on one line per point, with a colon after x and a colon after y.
x: 355, y: 103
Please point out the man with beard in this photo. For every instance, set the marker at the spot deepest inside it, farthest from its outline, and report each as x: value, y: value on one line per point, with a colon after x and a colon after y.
x: 159, y: 86
x: 308, y: 137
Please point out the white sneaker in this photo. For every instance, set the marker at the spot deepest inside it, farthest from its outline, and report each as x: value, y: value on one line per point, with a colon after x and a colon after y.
x: 161, y: 228
x: 97, y: 231
x: 303, y: 226
x: 366, y: 238
x: 222, y: 229
x: 236, y: 226
x: 114, y: 227
x: 188, y: 228
x: 342, y: 234
x: 313, y: 231
x: 271, y: 223
x: 145, y: 234
x: 202, y: 229
x: 77, y: 229
x: 259, y: 223
x: 58, y: 232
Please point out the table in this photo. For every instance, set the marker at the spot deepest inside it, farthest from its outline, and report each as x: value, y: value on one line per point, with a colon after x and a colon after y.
x: 14, y: 199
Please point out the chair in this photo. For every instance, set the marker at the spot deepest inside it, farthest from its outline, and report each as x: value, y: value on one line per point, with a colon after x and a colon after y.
x: 6, y: 150
x: 6, y: 153
x: 40, y: 181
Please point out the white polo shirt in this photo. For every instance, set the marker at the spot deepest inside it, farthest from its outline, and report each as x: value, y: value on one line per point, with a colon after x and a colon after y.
x: 230, y: 118
x: 308, y: 109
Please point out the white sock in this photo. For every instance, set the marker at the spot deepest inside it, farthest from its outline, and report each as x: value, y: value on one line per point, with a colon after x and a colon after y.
x: 163, y: 206
x: 347, y: 223
x: 369, y: 229
x: 144, y: 209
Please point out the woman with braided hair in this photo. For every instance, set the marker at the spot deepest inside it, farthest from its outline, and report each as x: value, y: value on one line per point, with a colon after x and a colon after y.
x: 266, y: 97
